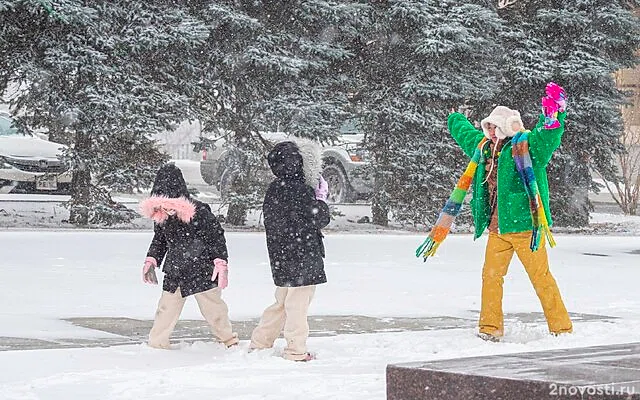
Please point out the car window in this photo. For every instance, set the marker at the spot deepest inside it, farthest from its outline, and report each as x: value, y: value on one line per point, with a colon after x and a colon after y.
x: 7, y: 130
x: 350, y: 126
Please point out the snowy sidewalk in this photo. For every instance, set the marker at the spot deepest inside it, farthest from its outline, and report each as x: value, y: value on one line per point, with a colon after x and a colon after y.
x: 123, y: 331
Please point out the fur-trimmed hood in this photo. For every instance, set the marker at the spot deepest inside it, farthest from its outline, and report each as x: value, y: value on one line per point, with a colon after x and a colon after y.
x: 154, y: 207
x: 296, y: 158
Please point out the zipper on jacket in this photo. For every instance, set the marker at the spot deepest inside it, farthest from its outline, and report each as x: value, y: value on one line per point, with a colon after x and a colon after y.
x: 484, y: 168
x: 498, y: 183
x: 497, y: 186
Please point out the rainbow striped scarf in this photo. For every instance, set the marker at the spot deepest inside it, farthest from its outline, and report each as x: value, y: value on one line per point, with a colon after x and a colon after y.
x: 451, y: 208
x: 522, y: 158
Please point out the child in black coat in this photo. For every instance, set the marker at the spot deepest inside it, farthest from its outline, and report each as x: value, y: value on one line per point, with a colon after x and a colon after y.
x: 188, y: 237
x: 294, y: 214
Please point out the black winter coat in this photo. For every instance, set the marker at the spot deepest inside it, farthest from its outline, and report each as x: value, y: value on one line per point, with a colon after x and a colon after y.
x: 188, y: 248
x: 293, y: 219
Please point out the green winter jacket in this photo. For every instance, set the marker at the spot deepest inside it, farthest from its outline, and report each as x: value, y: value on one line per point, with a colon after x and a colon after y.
x: 513, y: 203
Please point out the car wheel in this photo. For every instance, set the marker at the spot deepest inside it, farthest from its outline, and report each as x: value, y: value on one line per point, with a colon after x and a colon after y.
x: 339, y: 188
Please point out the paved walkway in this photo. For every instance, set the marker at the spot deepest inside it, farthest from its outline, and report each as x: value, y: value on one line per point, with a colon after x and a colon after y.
x: 132, y: 331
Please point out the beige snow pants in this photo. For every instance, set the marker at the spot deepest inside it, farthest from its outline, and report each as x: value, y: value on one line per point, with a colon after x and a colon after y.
x: 212, y: 307
x: 288, y: 312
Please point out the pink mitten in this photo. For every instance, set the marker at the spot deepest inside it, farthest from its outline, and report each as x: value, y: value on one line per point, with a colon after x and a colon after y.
x: 220, y: 271
x: 322, y: 190
x: 555, y: 101
x: 550, y: 111
x: 558, y: 94
x: 149, y: 271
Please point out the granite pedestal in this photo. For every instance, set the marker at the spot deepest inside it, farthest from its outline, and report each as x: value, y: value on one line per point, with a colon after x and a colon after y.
x: 600, y: 372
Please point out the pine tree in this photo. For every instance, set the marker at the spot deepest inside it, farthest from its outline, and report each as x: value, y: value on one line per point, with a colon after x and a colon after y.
x: 579, y: 45
x: 269, y: 67
x: 419, y: 60
x: 103, y: 78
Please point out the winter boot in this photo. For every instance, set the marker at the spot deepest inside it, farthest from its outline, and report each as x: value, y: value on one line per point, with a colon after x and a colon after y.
x: 488, y: 337
x: 307, y: 357
x: 300, y: 357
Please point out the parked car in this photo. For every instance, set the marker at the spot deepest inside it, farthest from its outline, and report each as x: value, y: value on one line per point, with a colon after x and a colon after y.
x: 29, y: 164
x: 343, y: 167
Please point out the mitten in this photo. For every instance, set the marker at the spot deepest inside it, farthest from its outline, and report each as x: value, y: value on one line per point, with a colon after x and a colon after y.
x: 555, y: 101
x: 322, y: 190
x: 149, y: 271
x: 558, y: 94
x: 220, y: 271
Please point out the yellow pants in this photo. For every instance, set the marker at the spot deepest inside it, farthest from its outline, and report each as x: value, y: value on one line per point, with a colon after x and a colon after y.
x: 498, y: 255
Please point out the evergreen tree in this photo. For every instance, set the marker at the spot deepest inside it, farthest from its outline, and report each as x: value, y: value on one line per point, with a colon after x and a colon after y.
x: 579, y: 45
x: 269, y: 67
x: 103, y: 78
x: 419, y: 60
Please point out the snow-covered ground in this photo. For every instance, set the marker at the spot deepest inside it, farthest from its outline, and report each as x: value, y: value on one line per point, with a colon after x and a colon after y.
x: 50, y: 275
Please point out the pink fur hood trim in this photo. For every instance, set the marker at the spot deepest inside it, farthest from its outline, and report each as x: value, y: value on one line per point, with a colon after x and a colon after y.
x: 152, y: 208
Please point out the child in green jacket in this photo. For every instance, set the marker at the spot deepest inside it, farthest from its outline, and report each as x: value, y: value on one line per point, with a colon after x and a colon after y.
x: 511, y: 201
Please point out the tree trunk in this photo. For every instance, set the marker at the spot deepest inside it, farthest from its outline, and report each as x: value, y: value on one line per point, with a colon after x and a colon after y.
x: 380, y: 201
x: 81, y: 184
x: 57, y: 134
x: 568, y: 192
x: 237, y: 214
x: 238, y: 209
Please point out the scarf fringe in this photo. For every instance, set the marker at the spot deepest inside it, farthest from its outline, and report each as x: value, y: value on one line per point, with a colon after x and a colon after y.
x: 427, y: 248
x: 536, y: 236
x: 451, y: 208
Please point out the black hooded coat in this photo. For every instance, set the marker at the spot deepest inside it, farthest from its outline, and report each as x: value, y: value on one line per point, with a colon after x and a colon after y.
x: 188, y: 247
x: 293, y: 219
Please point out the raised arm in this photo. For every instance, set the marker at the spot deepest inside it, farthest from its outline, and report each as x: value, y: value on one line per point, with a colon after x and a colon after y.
x: 545, y: 138
x: 464, y: 133
x: 543, y: 142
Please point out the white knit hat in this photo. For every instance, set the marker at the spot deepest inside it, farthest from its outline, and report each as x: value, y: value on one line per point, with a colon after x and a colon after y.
x: 506, y: 120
